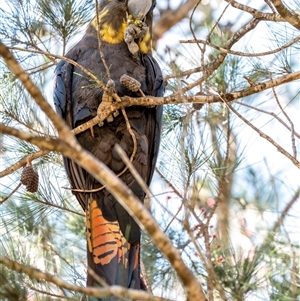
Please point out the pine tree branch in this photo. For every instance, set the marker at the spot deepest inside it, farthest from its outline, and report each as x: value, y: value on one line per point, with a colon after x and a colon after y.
x: 271, y: 114
x: 22, y: 162
x: 245, y: 54
x: 126, y: 101
x: 4, y: 199
x: 293, y: 19
x: 210, y: 68
x: 111, y: 291
x: 265, y: 136
x: 56, y: 56
x: 290, y: 121
x: 35, y: 93
x: 256, y: 13
x: 283, y: 215
x: 255, y: 88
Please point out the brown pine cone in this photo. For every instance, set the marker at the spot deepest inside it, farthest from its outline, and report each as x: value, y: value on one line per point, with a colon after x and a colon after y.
x: 30, y: 179
x: 130, y: 83
x: 33, y: 185
x: 27, y: 174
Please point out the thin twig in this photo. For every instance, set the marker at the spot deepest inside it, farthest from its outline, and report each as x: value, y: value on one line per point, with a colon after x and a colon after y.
x: 57, y: 56
x: 51, y: 295
x: 211, y: 67
x: 269, y: 113
x: 265, y: 136
x: 289, y: 120
x: 256, y: 13
x: 173, y: 218
x: 135, y: 174
x: 59, y: 207
x: 278, y: 223
x: 269, y: 3
x: 96, y: 277
x: 11, y: 193
x: 239, y: 53
x: 100, y: 42
x: 128, y: 126
x: 284, y: 212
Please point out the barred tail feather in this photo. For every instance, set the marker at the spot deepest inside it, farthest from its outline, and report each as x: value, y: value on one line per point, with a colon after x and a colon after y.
x: 110, y: 255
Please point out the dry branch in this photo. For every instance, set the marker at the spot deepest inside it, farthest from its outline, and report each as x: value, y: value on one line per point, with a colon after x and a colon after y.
x: 256, y: 13
x: 292, y: 18
x: 265, y: 136
x: 91, y: 291
x: 239, y: 53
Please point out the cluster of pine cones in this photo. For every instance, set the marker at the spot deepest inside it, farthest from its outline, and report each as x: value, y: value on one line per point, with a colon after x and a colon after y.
x: 30, y: 179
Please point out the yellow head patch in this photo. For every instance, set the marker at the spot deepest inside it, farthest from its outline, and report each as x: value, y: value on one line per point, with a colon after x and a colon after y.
x: 108, y: 32
x: 145, y: 44
x: 112, y: 31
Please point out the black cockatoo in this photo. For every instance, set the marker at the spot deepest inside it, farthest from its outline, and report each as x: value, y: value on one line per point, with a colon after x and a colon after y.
x: 113, y: 237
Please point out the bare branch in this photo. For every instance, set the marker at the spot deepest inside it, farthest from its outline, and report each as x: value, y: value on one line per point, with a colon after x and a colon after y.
x: 116, y: 291
x: 11, y: 193
x: 239, y: 53
x: 293, y: 19
x: 263, y: 86
x: 269, y: 113
x: 133, y: 171
x: 22, y: 162
x: 210, y: 68
x: 265, y: 136
x: 107, y: 109
x: 285, y: 212
x: 290, y: 121
x: 86, y: 71
x: 256, y: 13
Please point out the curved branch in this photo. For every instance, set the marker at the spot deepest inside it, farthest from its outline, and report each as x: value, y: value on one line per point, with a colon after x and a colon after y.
x: 22, y: 162
x: 256, y: 13
x: 210, y: 68
x: 265, y: 136
x: 263, y: 86
x: 110, y: 291
x: 293, y: 19
x: 239, y: 53
x: 126, y: 101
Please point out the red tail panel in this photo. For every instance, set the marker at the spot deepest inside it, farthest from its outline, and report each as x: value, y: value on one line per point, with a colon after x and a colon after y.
x: 105, y: 239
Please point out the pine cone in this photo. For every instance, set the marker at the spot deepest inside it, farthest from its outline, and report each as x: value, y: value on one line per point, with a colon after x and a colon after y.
x: 33, y: 185
x: 30, y: 179
x: 27, y: 174
x: 130, y: 83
